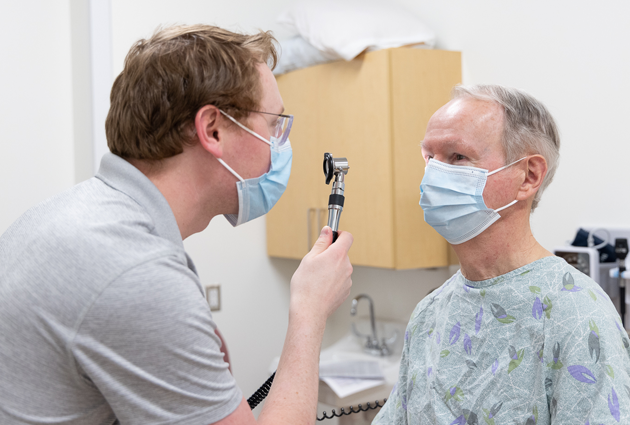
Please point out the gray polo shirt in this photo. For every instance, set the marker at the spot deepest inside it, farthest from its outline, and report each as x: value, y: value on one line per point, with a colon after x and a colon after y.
x: 102, y: 315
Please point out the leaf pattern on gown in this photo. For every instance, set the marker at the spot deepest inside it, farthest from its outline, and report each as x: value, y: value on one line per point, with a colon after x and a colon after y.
x: 569, y: 283
x: 537, y: 309
x: 582, y: 374
x: 547, y: 306
x: 541, y: 352
x: 533, y: 419
x: 454, y: 336
x: 593, y: 340
x: 478, y: 318
x: 613, y: 405
x: 467, y: 344
x: 461, y: 420
x: 454, y: 393
x: 556, y: 363
x: 489, y: 415
x: 515, y: 358
x: 501, y: 315
x: 471, y: 417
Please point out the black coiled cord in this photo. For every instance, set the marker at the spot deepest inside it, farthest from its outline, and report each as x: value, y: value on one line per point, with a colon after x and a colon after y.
x: 377, y: 405
x: 262, y: 392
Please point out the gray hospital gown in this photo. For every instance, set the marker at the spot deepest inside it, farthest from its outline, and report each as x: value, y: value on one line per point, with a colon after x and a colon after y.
x: 542, y: 344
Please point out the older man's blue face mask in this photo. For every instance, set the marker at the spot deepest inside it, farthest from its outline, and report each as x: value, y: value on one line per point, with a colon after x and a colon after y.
x: 452, y: 199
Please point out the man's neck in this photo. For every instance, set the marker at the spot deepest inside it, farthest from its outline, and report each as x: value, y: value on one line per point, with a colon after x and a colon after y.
x: 503, y: 247
x: 191, y: 187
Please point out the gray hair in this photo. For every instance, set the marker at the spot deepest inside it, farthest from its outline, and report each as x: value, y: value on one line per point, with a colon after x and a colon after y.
x: 528, y: 127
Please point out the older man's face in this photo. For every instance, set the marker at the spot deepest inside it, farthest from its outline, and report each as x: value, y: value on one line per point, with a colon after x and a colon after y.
x: 468, y: 132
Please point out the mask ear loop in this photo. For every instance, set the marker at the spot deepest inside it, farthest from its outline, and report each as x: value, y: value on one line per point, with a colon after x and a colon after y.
x: 231, y: 170
x: 507, y: 206
x: 258, y: 136
x: 505, y: 166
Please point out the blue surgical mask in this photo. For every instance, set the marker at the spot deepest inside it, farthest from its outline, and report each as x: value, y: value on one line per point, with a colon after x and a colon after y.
x: 258, y: 195
x: 452, y: 199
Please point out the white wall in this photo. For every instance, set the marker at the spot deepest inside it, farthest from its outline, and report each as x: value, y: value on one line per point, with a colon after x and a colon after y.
x: 36, y: 139
x: 572, y: 55
x: 542, y: 47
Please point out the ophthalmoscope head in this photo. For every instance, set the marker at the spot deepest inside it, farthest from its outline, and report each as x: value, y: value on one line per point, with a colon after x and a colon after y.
x: 335, y: 168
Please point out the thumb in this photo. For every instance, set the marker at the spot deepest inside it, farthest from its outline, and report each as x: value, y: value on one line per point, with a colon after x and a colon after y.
x: 323, y: 242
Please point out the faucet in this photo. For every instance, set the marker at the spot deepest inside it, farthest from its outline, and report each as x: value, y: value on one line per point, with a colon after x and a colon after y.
x: 372, y: 345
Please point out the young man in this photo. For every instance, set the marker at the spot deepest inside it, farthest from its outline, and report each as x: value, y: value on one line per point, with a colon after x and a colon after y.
x: 517, y: 335
x: 102, y: 316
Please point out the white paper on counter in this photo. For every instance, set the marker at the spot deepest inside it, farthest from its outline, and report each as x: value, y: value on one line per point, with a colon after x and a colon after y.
x: 365, y: 369
x: 344, y: 387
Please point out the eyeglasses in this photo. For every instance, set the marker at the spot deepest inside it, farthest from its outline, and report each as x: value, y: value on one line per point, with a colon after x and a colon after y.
x: 280, y: 132
x: 282, y: 127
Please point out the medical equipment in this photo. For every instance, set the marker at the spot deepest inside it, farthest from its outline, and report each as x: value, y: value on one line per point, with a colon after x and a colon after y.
x: 621, y: 250
x: 587, y: 257
x: 337, y: 168
x: 587, y: 247
x: 584, y: 259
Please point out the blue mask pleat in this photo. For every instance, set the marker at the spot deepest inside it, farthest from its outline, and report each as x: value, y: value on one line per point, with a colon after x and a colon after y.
x: 452, y: 200
x: 257, y: 196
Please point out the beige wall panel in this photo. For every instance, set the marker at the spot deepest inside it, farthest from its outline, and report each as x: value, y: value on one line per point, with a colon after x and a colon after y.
x: 287, y: 222
x: 421, y: 83
x: 341, y: 108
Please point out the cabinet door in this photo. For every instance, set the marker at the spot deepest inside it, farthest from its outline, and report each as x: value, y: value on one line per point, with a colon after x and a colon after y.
x: 342, y: 108
x: 422, y: 81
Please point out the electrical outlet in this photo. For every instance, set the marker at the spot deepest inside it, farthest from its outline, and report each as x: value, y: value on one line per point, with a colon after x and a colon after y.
x: 213, y: 296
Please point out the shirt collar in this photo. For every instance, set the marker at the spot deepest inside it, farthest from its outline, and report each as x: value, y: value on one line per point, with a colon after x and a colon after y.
x: 124, y: 177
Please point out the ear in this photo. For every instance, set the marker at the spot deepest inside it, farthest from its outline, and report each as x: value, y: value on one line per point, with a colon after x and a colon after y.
x: 208, y: 130
x: 534, y: 175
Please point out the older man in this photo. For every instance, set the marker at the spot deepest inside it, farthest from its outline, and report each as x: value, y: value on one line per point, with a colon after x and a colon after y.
x: 517, y: 335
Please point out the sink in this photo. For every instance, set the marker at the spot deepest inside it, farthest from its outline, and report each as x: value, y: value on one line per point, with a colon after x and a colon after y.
x: 350, y: 347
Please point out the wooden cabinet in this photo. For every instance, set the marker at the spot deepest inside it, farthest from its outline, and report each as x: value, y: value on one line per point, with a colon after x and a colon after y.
x: 374, y: 111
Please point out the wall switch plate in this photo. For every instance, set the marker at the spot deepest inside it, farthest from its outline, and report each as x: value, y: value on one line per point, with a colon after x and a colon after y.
x: 213, y: 296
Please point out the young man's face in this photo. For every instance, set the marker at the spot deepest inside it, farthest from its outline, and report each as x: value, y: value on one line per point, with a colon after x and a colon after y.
x: 253, y: 155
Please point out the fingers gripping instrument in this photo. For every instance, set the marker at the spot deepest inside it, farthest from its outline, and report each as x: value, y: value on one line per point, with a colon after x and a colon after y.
x: 335, y: 168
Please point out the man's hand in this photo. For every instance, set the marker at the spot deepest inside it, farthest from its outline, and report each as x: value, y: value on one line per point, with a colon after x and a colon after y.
x: 323, y: 280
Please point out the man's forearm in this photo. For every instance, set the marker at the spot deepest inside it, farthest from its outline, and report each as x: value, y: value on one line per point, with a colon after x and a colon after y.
x: 293, y: 396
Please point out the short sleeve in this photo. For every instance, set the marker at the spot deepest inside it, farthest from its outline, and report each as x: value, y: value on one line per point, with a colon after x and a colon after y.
x: 148, y: 344
x: 588, y: 367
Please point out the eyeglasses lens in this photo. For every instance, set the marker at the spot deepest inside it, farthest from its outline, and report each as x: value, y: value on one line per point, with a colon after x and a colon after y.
x: 283, y: 128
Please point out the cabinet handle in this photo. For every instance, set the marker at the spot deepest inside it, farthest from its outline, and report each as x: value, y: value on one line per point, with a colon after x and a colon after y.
x: 318, y: 212
x: 319, y: 219
x: 308, y: 228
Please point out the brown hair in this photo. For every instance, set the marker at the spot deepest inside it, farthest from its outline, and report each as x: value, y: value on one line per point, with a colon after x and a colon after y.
x: 169, y: 77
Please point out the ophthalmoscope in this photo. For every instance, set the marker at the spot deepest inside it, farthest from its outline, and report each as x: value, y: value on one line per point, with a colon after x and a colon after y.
x: 335, y: 168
